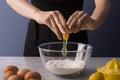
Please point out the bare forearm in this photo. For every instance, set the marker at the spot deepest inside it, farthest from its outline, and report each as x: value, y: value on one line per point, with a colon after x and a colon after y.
x: 23, y: 7
x: 101, y: 10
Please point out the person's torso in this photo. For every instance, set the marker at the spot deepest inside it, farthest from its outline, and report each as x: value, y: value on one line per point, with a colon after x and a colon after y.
x: 66, y: 7
x: 59, y: 2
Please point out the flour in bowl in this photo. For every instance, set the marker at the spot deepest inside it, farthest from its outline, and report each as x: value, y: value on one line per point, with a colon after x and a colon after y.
x: 66, y: 66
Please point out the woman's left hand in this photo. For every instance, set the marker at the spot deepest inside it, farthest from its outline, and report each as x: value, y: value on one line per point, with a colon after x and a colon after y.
x: 80, y: 20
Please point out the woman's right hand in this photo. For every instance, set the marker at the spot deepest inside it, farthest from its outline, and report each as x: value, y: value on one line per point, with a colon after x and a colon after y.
x: 54, y: 20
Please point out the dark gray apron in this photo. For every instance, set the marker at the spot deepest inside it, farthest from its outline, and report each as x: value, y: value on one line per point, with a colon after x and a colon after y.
x: 38, y: 33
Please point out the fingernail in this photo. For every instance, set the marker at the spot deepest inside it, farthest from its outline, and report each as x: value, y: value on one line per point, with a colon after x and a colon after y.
x: 60, y: 38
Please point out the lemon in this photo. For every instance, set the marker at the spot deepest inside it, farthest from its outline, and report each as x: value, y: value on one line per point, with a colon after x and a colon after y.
x: 65, y: 36
x: 96, y: 76
x: 111, y: 70
x: 112, y: 66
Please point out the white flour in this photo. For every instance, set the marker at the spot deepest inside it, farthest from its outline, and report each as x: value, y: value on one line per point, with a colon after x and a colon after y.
x: 66, y: 66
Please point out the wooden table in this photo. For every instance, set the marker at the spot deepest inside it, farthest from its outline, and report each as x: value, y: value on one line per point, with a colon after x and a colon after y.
x: 34, y: 63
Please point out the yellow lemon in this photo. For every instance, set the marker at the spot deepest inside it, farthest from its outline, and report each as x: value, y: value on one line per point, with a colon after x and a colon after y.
x: 112, y: 66
x: 96, y: 76
x: 111, y: 70
x: 65, y: 36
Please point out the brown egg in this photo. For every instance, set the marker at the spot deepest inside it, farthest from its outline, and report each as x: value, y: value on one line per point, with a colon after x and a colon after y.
x: 11, y: 68
x: 8, y: 74
x: 32, y: 74
x: 14, y: 77
x: 33, y: 79
x: 22, y: 72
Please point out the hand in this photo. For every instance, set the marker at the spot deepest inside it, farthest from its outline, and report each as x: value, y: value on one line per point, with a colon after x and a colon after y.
x: 54, y: 20
x: 79, y: 20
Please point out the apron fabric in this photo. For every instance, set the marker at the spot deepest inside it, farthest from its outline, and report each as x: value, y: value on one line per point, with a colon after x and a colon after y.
x: 39, y: 33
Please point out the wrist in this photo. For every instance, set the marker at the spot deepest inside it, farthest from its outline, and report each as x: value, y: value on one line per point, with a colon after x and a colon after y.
x: 36, y: 14
x: 92, y: 24
x: 98, y: 20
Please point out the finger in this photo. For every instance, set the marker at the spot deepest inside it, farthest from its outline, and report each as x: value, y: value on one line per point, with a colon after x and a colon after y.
x: 58, y: 22
x: 55, y: 28
x: 63, y: 21
x: 71, y: 17
x: 80, y: 22
x: 48, y: 23
x: 75, y: 20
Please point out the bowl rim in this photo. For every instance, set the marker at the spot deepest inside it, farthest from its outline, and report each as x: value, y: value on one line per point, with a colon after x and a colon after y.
x: 39, y: 47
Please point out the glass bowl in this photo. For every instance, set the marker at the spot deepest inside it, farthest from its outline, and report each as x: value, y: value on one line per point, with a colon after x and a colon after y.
x: 77, y: 56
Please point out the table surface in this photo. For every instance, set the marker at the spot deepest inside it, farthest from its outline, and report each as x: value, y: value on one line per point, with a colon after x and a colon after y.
x: 35, y: 64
